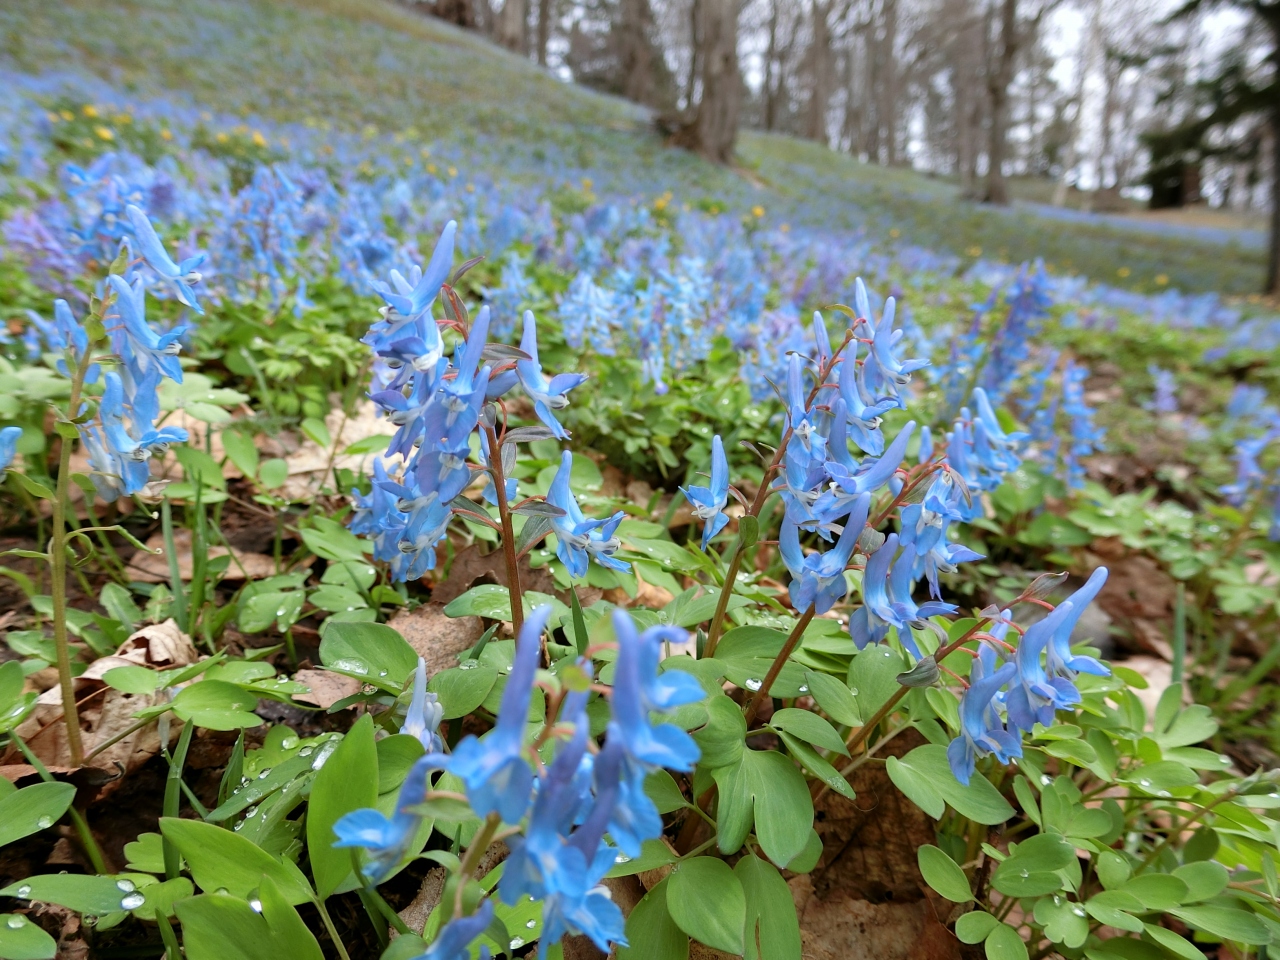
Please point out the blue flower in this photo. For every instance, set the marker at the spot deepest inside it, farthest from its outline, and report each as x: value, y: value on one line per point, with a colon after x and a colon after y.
x: 454, y: 940
x: 387, y: 839
x: 1034, y: 695
x: 135, y: 341
x: 497, y: 776
x: 817, y: 580
x: 578, y: 539
x: 638, y: 689
x: 1060, y: 661
x: 8, y: 447
x: 422, y: 720
x: 408, y: 299
x: 708, y: 503
x: 981, y: 731
x: 180, y: 276
x: 887, y: 600
x: 547, y: 395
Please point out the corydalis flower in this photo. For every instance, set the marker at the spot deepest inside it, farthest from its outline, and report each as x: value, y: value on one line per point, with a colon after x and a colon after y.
x: 547, y: 395
x: 180, y: 276
x: 497, y: 776
x: 425, y: 712
x: 708, y: 503
x: 579, y: 540
x: 387, y: 839
x: 8, y: 447
x: 817, y: 580
x: 981, y: 731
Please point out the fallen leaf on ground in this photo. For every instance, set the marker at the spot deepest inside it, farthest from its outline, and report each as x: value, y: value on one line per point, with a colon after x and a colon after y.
x: 325, y: 688
x: 436, y: 638
x: 154, y: 567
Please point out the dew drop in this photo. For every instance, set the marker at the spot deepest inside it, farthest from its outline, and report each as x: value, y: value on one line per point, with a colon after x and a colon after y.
x: 288, y: 743
x: 44, y: 823
x: 804, y: 688
x: 280, y: 612
x: 132, y: 902
x: 255, y: 905
x: 251, y: 813
x: 1045, y: 779
x: 1057, y: 900
x: 1144, y: 782
x: 1163, y: 793
x: 15, y: 922
x: 530, y: 924
x: 24, y: 891
x: 753, y: 684
x: 351, y: 666
x: 517, y: 942
x: 1024, y: 874
x: 854, y: 691
x: 621, y: 858
x: 125, y: 886
x: 306, y: 751
x: 238, y: 825
x: 266, y: 772
x: 469, y: 664
x: 1078, y: 911
x: 1224, y: 759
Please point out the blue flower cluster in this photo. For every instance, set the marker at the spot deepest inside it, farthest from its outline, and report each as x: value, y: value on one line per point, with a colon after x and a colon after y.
x: 1038, y: 679
x: 565, y: 808
x: 124, y: 435
x: 435, y: 402
x: 1260, y: 423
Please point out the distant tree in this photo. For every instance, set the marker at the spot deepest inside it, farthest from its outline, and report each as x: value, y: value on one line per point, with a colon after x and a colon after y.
x: 709, y: 125
x: 1231, y: 107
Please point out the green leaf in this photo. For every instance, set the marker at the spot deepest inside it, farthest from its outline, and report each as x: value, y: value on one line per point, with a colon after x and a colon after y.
x: 216, y: 705
x: 396, y: 754
x: 706, y: 901
x: 653, y: 854
x: 975, y: 927
x: 661, y: 788
x: 1064, y: 922
x: 373, y: 444
x: 1156, y: 891
x: 332, y: 541
x: 873, y: 677
x: 943, y: 874
x: 348, y: 781
x: 32, y: 809
x: 372, y: 652
x: 118, y: 603
x: 1175, y: 944
x: 241, y: 451
x: 808, y: 858
x: 651, y: 933
x: 721, y: 738
x: 1229, y: 923
x: 812, y: 761
x: 808, y: 727
x: 146, y: 854
x: 748, y: 530
x: 223, y: 859
x: 135, y: 680
x: 979, y: 801
x: 1115, y: 909
x: 772, y: 930
x: 917, y: 787
x: 1204, y: 879
x: 1003, y: 943
x: 764, y: 787
x: 833, y: 697
x: 273, y: 473
x: 217, y: 926
x: 315, y: 429
x: 83, y: 894
x: 33, y: 487
x: 161, y: 897
x: 1190, y: 725
x: 20, y: 939
x: 462, y: 689
x: 483, y: 600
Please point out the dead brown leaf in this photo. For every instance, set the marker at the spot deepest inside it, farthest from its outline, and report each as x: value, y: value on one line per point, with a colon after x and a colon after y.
x: 159, y: 645
x: 470, y: 566
x: 325, y: 688
x: 436, y: 638
x: 153, y: 567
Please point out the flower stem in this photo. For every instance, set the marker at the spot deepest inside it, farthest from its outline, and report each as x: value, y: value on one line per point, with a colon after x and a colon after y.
x: 508, y: 532
x: 776, y: 667
x: 735, y: 562
x: 58, y: 569
x: 333, y: 931
x: 173, y: 796
x: 479, y: 845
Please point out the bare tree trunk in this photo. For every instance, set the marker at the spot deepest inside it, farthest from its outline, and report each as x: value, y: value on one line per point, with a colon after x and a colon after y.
x: 889, y: 82
x: 820, y: 73
x: 511, y: 25
x: 998, y: 81
x: 713, y: 128
x: 635, y: 52
x: 771, y: 52
x: 544, y: 30
x: 695, y: 52
x: 1273, y: 245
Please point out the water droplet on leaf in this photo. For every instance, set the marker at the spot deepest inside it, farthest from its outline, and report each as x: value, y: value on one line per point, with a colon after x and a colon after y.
x: 24, y: 891
x: 132, y: 902
x: 15, y: 922
x: 125, y: 886
x: 516, y: 943
x: 530, y: 924
x: 44, y: 823
x: 753, y: 684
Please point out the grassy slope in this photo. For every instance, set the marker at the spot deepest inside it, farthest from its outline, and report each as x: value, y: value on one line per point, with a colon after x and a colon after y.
x: 362, y: 63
